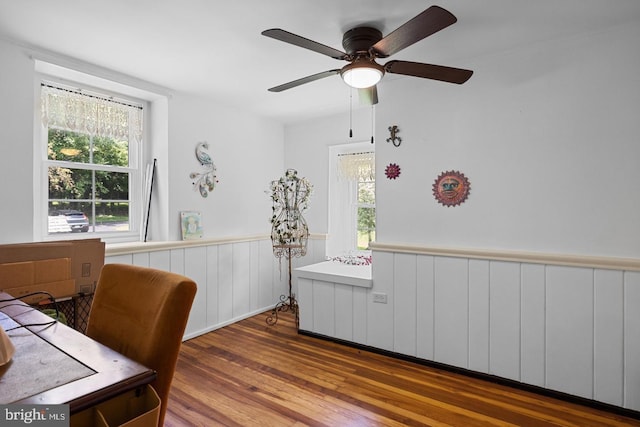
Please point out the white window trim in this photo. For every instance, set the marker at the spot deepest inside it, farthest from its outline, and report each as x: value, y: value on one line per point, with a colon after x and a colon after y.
x: 46, y: 72
x: 342, y: 203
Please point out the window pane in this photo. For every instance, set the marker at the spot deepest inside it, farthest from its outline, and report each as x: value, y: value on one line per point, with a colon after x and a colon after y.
x: 69, y: 217
x: 66, y: 183
x: 112, y: 185
x: 107, y: 151
x: 68, y: 146
x: 81, y: 148
x: 366, y: 192
x: 112, y: 217
x: 366, y: 226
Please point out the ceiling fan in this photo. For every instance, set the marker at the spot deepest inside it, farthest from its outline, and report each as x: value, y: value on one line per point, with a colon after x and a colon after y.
x: 363, y: 45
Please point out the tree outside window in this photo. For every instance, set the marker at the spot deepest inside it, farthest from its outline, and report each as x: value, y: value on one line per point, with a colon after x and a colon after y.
x: 366, y: 213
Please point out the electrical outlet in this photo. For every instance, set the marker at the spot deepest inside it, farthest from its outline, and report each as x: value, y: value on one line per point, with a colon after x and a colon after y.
x: 380, y: 297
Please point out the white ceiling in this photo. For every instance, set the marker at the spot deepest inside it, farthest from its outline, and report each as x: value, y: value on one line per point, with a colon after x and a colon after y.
x: 215, y: 49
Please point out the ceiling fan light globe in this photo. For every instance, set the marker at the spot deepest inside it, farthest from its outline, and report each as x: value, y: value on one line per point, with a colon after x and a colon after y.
x: 362, y: 75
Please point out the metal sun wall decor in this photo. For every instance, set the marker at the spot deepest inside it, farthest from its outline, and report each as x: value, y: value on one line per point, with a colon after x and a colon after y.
x: 206, y: 180
x: 451, y: 188
x: 289, y: 231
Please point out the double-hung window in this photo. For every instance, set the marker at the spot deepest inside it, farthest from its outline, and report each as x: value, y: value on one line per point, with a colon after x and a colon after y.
x: 352, y: 211
x: 92, y: 162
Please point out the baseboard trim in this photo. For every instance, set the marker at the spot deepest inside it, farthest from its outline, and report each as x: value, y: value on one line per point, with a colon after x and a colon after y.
x: 594, y: 404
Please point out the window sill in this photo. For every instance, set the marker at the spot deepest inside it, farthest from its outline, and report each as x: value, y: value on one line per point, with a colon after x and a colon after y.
x: 337, y: 272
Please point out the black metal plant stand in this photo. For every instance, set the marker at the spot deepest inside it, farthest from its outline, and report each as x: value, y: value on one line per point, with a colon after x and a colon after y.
x: 286, y: 303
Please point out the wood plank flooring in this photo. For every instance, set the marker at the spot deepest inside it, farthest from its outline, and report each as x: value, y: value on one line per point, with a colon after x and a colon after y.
x: 250, y: 374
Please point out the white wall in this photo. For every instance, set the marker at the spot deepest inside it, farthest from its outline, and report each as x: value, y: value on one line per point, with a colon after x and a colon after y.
x: 16, y: 144
x: 247, y: 150
x: 546, y: 134
x: 248, y: 154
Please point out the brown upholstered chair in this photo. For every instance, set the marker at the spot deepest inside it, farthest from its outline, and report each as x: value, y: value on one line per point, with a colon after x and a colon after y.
x: 142, y: 313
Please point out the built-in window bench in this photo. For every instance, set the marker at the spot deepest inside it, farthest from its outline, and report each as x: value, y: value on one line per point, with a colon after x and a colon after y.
x: 337, y: 272
x: 328, y: 294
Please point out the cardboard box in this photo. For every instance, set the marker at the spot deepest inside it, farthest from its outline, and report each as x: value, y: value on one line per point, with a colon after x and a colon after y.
x: 58, y: 289
x: 51, y: 270
x: 17, y: 274
x: 52, y: 266
x: 87, y: 260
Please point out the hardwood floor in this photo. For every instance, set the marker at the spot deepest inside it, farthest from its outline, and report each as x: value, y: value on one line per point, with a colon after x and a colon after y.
x: 250, y: 374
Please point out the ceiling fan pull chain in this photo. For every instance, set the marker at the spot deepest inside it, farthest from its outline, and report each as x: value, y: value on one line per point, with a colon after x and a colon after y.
x: 372, y: 126
x: 350, y: 112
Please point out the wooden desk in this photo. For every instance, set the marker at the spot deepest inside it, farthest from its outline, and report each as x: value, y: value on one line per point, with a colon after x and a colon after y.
x: 59, y: 365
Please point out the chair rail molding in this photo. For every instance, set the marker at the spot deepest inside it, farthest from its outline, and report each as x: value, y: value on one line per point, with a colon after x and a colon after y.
x: 608, y: 263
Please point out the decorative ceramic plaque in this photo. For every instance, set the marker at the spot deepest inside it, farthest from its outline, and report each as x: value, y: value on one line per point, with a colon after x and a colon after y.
x: 451, y: 188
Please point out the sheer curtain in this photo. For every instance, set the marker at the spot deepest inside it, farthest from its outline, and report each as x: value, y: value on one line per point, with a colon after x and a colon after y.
x: 347, y: 164
x: 81, y: 112
x: 357, y: 166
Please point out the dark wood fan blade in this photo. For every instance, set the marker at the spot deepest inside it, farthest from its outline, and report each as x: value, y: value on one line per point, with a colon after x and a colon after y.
x: 428, y: 71
x: 428, y: 22
x: 368, y: 95
x: 287, y: 37
x: 304, y: 80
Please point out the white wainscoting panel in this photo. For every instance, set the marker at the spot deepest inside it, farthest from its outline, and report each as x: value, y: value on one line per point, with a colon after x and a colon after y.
x: 305, y: 299
x: 504, y: 319
x: 236, y: 278
x: 360, y: 319
x: 425, y: 298
x: 451, y: 309
x: 324, y: 319
x: 479, y: 305
x: 343, y: 311
x: 404, y: 304
x: 569, y: 328
x: 631, y: 340
x: 569, y: 348
x: 211, y: 298
x: 380, y: 329
x: 608, y: 334
x: 193, y: 260
x: 533, y: 324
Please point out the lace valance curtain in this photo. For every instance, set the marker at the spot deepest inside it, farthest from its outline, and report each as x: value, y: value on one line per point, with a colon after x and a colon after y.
x: 79, y: 112
x: 357, y: 166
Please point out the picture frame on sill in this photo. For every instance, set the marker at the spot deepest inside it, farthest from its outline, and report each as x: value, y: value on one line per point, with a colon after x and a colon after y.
x: 191, y: 224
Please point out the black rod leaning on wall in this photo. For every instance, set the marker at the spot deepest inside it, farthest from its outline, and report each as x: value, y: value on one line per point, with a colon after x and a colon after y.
x: 146, y: 219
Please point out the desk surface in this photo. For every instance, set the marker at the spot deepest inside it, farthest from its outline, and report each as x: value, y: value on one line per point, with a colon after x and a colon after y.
x: 58, y: 365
